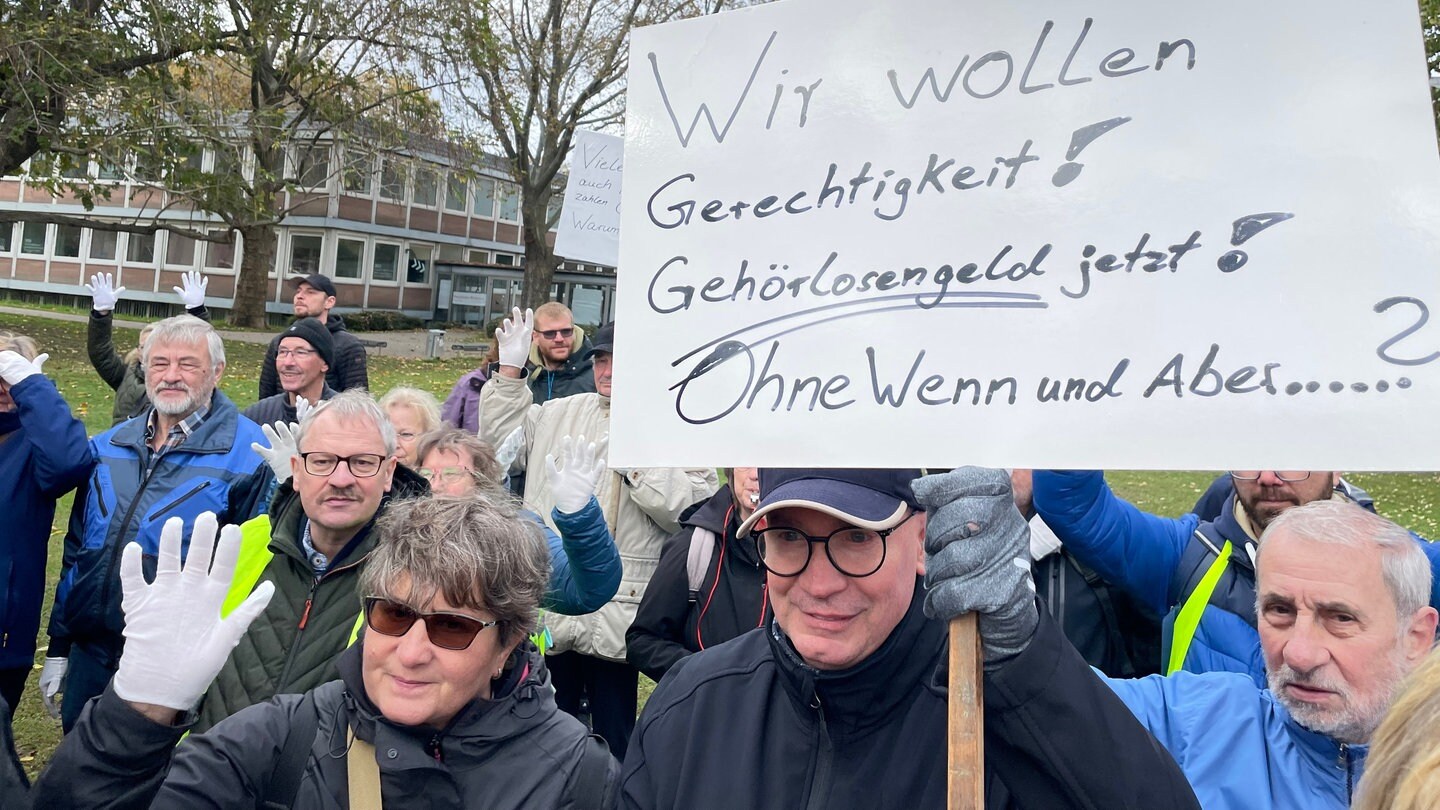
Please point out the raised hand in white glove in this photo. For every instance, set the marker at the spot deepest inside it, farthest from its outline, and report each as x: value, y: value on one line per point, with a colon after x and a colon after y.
x: 52, y: 683
x: 282, y: 447
x: 302, y: 408
x: 514, y: 337
x: 103, y: 292
x: 192, y: 289
x: 175, y: 638
x: 14, y: 367
x: 509, y: 449
x: 573, y: 485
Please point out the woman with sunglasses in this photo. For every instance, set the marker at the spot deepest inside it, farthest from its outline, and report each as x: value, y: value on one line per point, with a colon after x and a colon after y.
x: 442, y: 703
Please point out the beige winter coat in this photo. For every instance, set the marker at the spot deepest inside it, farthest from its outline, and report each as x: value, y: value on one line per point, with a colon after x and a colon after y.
x: 642, y: 508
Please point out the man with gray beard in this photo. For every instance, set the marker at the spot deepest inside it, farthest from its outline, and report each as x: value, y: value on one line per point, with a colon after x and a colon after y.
x: 188, y: 453
x: 1343, y: 615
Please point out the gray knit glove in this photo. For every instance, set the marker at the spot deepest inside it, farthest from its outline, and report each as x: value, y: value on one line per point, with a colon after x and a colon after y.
x: 977, y: 558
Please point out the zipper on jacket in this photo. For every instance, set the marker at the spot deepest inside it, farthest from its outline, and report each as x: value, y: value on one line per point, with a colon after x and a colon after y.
x: 183, y: 498
x: 433, y: 747
x: 120, y: 538
x: 99, y: 493
x: 284, y: 678
x: 1345, y: 762
x: 820, y: 782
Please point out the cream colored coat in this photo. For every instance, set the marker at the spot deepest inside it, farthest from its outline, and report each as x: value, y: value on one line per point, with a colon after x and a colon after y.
x: 642, y: 508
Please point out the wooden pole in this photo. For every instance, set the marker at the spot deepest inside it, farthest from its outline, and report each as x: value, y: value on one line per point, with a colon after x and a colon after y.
x: 966, y: 771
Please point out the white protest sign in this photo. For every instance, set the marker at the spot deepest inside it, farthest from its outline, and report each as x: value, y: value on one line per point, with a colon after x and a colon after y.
x: 589, y: 227
x: 1120, y: 234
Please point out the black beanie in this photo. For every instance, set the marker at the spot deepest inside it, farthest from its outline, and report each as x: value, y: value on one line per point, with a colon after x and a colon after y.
x: 313, y: 332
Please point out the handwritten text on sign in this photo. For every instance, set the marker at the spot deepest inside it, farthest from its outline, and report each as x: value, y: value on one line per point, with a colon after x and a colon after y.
x: 589, y: 228
x: 1130, y: 235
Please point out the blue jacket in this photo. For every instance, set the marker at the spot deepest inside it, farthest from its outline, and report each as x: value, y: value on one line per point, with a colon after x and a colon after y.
x: 215, y: 470
x: 584, y: 562
x: 1158, y: 560
x: 1238, y: 745
x: 43, y: 455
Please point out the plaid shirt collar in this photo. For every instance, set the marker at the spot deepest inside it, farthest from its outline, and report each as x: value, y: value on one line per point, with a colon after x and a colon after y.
x: 179, y: 432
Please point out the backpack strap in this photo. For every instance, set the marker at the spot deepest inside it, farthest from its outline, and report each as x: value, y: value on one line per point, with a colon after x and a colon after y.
x: 290, y: 767
x: 697, y: 561
x: 587, y: 789
x: 1100, y: 589
x: 363, y: 773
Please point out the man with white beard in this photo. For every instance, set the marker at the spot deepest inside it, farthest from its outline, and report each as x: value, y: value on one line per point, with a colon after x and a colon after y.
x: 188, y: 453
x: 1343, y: 615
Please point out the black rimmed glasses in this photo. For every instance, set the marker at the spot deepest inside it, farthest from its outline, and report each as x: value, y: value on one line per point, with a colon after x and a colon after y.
x: 450, y: 631
x: 1288, y: 476
x: 855, y: 552
x: 362, y: 465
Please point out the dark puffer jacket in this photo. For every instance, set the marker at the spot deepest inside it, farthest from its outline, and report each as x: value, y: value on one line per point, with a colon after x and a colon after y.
x: 748, y: 724
x: 672, y: 624
x: 293, y: 645
x: 516, y: 750
x: 348, y: 371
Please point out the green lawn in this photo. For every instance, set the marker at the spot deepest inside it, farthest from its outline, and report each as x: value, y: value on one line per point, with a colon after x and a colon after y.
x: 1412, y: 500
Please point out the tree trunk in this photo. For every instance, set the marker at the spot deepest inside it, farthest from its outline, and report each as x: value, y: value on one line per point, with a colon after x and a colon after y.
x: 251, y: 286
x: 540, y: 258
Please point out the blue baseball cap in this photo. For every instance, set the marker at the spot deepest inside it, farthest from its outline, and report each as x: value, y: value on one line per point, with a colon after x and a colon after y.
x: 868, y: 499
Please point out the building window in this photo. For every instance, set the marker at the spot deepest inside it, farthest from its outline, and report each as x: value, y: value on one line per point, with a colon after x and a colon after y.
x: 392, y: 179
x: 229, y: 161
x: 67, y: 241
x: 510, y: 202
x: 109, y: 171
x: 417, y: 267
x: 507, y: 259
x: 140, y: 248
x: 312, y: 166
x: 147, y: 168
x: 484, y: 205
x: 479, y: 257
x: 385, y: 263
x: 102, y: 244
x: 455, y: 194
x: 74, y: 168
x: 451, y: 253
x: 179, y: 250
x: 358, y: 169
x: 425, y: 187
x: 7, y: 236
x: 32, y: 238
x: 221, y: 255
x: 189, y: 157
x: 305, y: 254
x: 349, y: 254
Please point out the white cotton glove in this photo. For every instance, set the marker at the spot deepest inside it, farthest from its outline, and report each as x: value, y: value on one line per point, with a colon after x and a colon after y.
x: 175, y: 640
x: 302, y: 409
x: 573, y: 485
x: 509, y: 449
x: 52, y: 683
x: 103, y: 292
x: 514, y: 337
x: 282, y: 447
x: 192, y: 289
x: 14, y: 367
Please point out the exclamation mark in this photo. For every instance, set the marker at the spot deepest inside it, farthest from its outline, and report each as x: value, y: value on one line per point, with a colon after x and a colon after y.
x: 1247, y: 227
x: 1082, y: 138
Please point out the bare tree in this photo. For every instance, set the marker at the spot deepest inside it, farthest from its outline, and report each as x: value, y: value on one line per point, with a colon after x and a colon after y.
x: 533, y: 71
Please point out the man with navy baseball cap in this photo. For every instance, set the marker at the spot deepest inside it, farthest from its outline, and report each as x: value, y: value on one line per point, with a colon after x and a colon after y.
x: 839, y: 701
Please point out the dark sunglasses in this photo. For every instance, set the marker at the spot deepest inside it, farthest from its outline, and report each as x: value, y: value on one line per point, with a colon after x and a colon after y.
x: 450, y: 631
x: 553, y: 334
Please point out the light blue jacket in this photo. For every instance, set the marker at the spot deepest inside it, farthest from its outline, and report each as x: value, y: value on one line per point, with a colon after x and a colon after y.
x: 1238, y: 745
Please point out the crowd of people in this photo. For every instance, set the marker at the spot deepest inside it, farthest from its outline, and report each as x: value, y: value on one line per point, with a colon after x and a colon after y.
x: 329, y: 599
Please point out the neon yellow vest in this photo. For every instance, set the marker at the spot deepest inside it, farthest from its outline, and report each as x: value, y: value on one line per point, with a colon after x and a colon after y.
x: 255, y: 554
x: 1188, y: 620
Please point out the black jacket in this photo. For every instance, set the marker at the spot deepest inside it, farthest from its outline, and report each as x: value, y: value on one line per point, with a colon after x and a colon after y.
x: 516, y: 750
x: 670, y: 624
x: 747, y: 724
x: 274, y: 409
x: 348, y: 371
